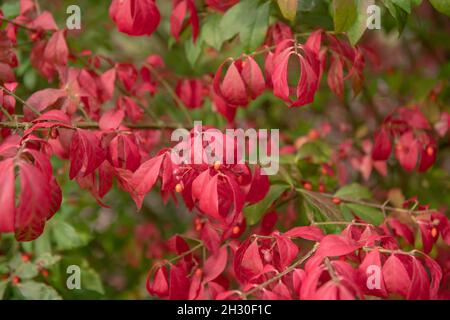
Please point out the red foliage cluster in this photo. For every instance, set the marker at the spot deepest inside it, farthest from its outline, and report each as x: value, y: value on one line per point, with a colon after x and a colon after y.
x: 103, y: 145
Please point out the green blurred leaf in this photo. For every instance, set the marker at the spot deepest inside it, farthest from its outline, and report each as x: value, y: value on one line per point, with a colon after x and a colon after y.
x: 368, y: 214
x: 67, y: 237
x: 253, y: 34
x: 193, y: 50
x: 90, y: 280
x: 255, y: 212
x: 237, y: 18
x: 3, y: 286
x: 344, y: 14
x: 47, y: 260
x: 316, y: 150
x: 32, y: 290
x: 26, y: 271
x: 353, y: 191
x: 356, y: 31
x: 211, y: 32
x: 442, y: 6
x: 399, y: 14
x: 288, y: 8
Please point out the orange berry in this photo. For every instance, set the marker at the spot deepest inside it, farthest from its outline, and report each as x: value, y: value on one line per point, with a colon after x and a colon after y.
x: 217, y: 165
x: 198, y: 272
x: 307, y: 186
x: 434, y: 232
x: 25, y: 257
x: 15, y: 280
x: 430, y: 151
x: 44, y: 273
x: 313, y: 134
x: 178, y: 188
x: 321, y: 188
x: 236, y: 230
x: 337, y: 201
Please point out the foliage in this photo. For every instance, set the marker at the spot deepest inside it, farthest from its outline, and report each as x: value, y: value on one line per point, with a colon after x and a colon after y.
x: 85, y: 123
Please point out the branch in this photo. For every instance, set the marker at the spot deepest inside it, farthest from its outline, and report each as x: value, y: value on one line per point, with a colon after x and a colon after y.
x: 364, y: 203
x: 282, y: 274
x: 24, y: 103
x: 95, y: 125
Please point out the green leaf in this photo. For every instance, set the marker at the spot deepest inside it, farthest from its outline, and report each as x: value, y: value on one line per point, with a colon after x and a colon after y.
x: 344, y: 14
x: 90, y: 280
x: 3, y: 286
x: 11, y: 9
x: 193, y: 50
x: 368, y: 214
x: 346, y: 212
x: 356, y: 31
x: 255, y: 212
x: 400, y: 15
x: 47, y: 260
x: 353, y: 191
x: 237, y: 18
x: 442, y: 6
x: 26, y: 271
x: 32, y: 290
x: 211, y: 32
x: 288, y: 8
x: 253, y: 34
x: 67, y: 237
x: 316, y: 150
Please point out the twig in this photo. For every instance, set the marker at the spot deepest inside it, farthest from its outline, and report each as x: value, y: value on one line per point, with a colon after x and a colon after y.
x: 172, y: 93
x: 20, y: 100
x: 95, y: 125
x: 282, y: 274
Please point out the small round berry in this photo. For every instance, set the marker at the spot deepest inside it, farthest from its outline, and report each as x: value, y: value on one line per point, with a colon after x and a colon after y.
x: 25, y: 257
x: 313, y: 134
x: 336, y: 201
x: 430, y: 151
x: 178, y: 188
x: 236, y: 230
x: 307, y: 186
x: 322, y: 188
x: 217, y: 165
x: 434, y: 232
x: 198, y: 272
x: 44, y: 273
x: 15, y: 280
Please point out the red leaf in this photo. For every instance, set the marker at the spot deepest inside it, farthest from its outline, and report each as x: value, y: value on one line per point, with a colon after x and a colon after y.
x: 56, y: 51
x: 34, y: 205
x: 287, y: 250
x: 251, y: 261
x: 382, y: 148
x: 259, y: 186
x: 232, y: 89
x: 160, y: 286
x: 307, y: 232
x: 179, y: 284
x: 336, y: 245
x: 253, y: 77
x: 209, y: 201
x: 41, y: 100
x: 407, y: 151
x: 336, y: 77
x: 86, y: 153
x: 420, y: 284
x: 146, y: 176
x: 7, y: 198
x: 135, y: 17
x: 395, y: 276
x: 215, y: 264
x: 111, y: 119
